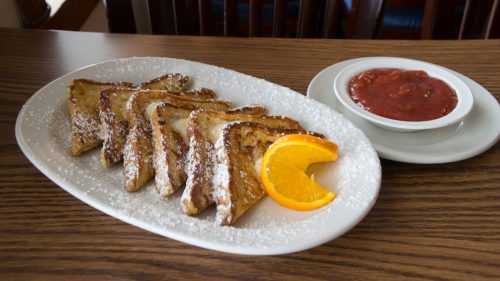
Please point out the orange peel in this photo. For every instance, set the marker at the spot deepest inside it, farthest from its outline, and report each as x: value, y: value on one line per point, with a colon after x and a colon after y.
x: 283, y: 171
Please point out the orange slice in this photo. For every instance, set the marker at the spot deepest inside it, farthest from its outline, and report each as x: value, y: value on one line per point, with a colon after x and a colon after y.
x: 283, y: 171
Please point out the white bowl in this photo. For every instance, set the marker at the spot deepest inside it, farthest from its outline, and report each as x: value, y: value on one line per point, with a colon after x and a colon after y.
x: 465, y: 99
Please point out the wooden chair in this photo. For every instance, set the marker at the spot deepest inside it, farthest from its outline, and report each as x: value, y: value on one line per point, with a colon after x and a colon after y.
x: 365, y: 19
x: 196, y: 17
x: 315, y: 18
x: 480, y: 19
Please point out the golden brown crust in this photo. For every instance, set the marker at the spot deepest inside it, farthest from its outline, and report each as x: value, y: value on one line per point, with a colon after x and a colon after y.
x: 113, y: 115
x: 169, y: 148
x: 82, y: 103
x: 249, y: 110
x: 114, y: 124
x: 173, y: 82
x: 237, y: 184
x: 203, y: 131
x: 138, y: 151
x: 170, y: 144
x: 201, y: 94
x: 114, y: 84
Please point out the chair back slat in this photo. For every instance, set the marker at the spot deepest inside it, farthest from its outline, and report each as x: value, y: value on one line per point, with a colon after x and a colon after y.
x: 479, y: 19
x: 205, y: 13
x: 306, y: 16
x: 365, y: 19
x: 178, y: 12
x: 120, y: 16
x: 279, y: 18
x: 475, y: 19
x: 255, y: 18
x: 331, y: 18
x: 440, y: 17
x: 186, y: 18
x: 155, y: 16
x: 230, y: 17
x: 493, y: 29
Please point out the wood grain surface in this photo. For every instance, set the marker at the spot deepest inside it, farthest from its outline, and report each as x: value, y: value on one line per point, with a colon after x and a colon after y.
x: 439, y: 222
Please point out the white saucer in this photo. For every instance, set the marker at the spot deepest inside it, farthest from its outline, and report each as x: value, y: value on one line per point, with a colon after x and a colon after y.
x: 479, y: 131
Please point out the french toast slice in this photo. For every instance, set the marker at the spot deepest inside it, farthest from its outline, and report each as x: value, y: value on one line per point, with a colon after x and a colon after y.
x: 82, y: 106
x: 113, y: 115
x: 114, y: 124
x: 171, y: 144
x: 204, y: 127
x: 238, y: 153
x: 138, y: 151
x: 172, y: 82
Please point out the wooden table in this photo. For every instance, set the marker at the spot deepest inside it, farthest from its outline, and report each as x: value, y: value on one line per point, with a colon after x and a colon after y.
x: 429, y: 222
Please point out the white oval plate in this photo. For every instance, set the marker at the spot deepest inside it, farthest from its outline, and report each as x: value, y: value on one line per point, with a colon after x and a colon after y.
x: 479, y: 131
x: 43, y: 133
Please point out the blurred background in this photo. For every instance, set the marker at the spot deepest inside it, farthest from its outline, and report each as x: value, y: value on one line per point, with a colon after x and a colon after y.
x: 366, y: 19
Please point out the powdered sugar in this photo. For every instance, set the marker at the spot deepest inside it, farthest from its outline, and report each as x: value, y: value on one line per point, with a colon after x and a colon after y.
x: 190, y: 168
x: 114, y: 130
x: 163, y: 183
x: 130, y: 159
x: 221, y: 180
x: 43, y: 130
x: 86, y: 125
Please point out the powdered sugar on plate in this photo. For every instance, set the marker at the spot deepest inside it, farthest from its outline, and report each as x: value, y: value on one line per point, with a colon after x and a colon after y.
x: 43, y: 133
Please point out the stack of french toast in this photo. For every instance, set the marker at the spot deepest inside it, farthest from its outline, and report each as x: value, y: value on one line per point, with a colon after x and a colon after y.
x: 184, y: 139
